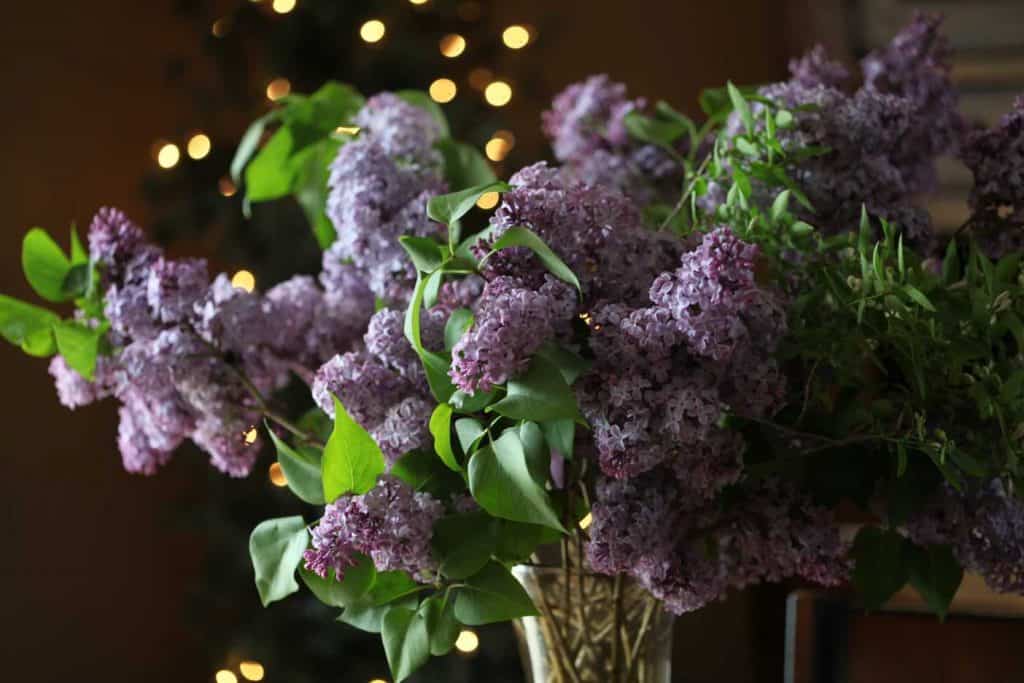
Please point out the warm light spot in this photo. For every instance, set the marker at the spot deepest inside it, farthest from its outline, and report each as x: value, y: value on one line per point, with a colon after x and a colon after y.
x: 278, y: 88
x: 497, y: 149
x: 480, y: 77
x: 168, y: 155
x: 220, y: 27
x: 199, y: 146
x: 227, y: 187
x: 467, y: 642
x: 443, y: 90
x: 515, y: 36
x: 372, y: 31
x: 417, y: 2
x: 586, y: 521
x: 506, y: 135
x: 251, y: 671
x: 453, y: 45
x: 468, y: 11
x: 283, y: 6
x: 380, y: 680
x: 498, y: 93
x: 488, y: 200
x: 250, y: 436
x: 347, y: 130
x: 277, y: 478
x: 243, y: 279
x: 225, y: 676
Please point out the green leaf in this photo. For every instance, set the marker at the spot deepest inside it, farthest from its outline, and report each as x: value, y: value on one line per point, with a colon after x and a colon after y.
x: 79, y: 254
x: 301, y: 469
x: 390, y: 589
x: 471, y: 403
x: 441, y: 430
x: 249, y: 143
x: 45, y: 265
x: 918, y: 297
x: 432, y: 287
x: 76, y: 282
x: 492, y: 595
x: 441, y: 624
x: 310, y: 188
x: 458, y: 324
x: 502, y: 483
x: 349, y: 591
x: 406, y: 641
x: 560, y: 435
x: 464, y: 165
x: 79, y: 345
x: 936, y: 575
x: 447, y: 208
x: 517, y: 541
x: 648, y: 129
x: 783, y: 118
x: 270, y: 175
x: 801, y: 228
x: 569, y: 363
x: 420, y: 99
x: 780, y: 206
x: 469, y: 432
x: 434, y: 365
x: 881, y: 566
x: 28, y: 326
x: 425, y: 253
x: 464, y: 543
x: 540, y: 394
x: 424, y: 471
x: 740, y: 106
x: 518, y: 236
x: 276, y: 548
x: 352, y: 459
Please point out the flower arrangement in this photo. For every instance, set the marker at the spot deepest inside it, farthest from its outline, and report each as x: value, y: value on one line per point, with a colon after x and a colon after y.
x: 679, y: 351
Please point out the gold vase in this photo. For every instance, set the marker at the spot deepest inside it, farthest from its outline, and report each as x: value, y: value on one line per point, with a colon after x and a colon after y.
x: 592, y: 629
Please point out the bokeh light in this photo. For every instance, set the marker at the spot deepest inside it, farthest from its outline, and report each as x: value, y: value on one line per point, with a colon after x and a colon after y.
x: 516, y: 37
x: 244, y: 280
x: 199, y: 146
x: 251, y: 671
x: 452, y: 45
x: 278, y: 88
x: 225, y: 676
x: 488, y: 200
x: 497, y: 149
x: 279, y: 479
x: 168, y: 155
x: 283, y: 6
x: 226, y: 186
x: 467, y: 642
x: 372, y: 31
x: 443, y: 90
x: 221, y: 27
x: 498, y: 93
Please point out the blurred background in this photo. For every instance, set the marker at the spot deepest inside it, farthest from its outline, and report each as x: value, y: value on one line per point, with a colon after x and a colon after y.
x: 104, y: 575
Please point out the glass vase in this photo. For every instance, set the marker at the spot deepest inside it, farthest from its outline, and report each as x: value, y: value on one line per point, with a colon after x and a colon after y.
x: 592, y: 629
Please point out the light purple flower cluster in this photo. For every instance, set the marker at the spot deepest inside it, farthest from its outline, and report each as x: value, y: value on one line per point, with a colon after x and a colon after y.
x: 689, y: 554
x: 188, y: 353
x: 985, y: 527
x: 883, y: 139
x: 587, y: 130
x: 380, y: 184
x: 382, y: 386
x: 391, y: 524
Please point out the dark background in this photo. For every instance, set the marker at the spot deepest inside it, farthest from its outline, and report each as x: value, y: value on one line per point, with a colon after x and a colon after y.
x: 99, y: 573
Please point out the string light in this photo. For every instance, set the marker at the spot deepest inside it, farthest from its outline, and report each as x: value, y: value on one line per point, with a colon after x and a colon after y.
x: 283, y: 6
x: 278, y: 88
x: 225, y: 676
x: 220, y: 27
x: 588, y: 518
x: 279, y: 479
x: 480, y: 77
x: 199, y: 146
x: 417, y: 2
x: 515, y: 37
x: 251, y: 671
x: 372, y: 31
x: 488, y: 200
x: 497, y: 149
x: 467, y: 642
x: 244, y: 280
x: 443, y: 90
x: 168, y: 155
x: 498, y: 93
x: 227, y: 187
x: 379, y: 680
x: 453, y: 45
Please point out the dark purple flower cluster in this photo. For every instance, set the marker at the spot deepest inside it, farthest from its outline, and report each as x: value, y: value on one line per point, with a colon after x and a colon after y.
x: 194, y: 358
x: 688, y: 553
x: 587, y: 130
x: 383, y: 386
x: 882, y: 140
x: 380, y: 184
x: 392, y: 524
x: 985, y: 527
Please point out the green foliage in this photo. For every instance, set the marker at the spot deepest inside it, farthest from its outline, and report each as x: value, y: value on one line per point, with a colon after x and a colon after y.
x: 45, y: 264
x: 464, y: 543
x: 448, y: 208
x: 540, y: 394
x: 881, y: 565
x: 518, y: 236
x: 276, y: 548
x: 353, y: 587
x: 441, y: 430
x: 464, y: 166
x: 80, y: 345
x: 492, y: 595
x: 27, y: 326
x: 352, y: 459
x: 406, y: 641
x: 935, y: 574
x: 301, y: 469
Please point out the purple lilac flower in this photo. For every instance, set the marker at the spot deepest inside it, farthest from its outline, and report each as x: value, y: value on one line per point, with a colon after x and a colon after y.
x: 137, y: 452
x: 391, y: 523
x: 73, y: 390
x: 231, y: 446
x: 512, y: 321
x: 405, y: 132
x: 114, y: 240
x: 174, y: 287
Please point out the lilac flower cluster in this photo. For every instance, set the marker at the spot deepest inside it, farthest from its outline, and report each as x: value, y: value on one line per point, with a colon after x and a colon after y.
x: 391, y: 523
x: 882, y: 140
x: 984, y: 526
x: 587, y: 130
x: 194, y: 358
x: 688, y: 555
x: 382, y: 386
x: 380, y: 184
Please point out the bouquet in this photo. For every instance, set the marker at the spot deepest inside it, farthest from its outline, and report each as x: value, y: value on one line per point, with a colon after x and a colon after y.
x: 676, y: 354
